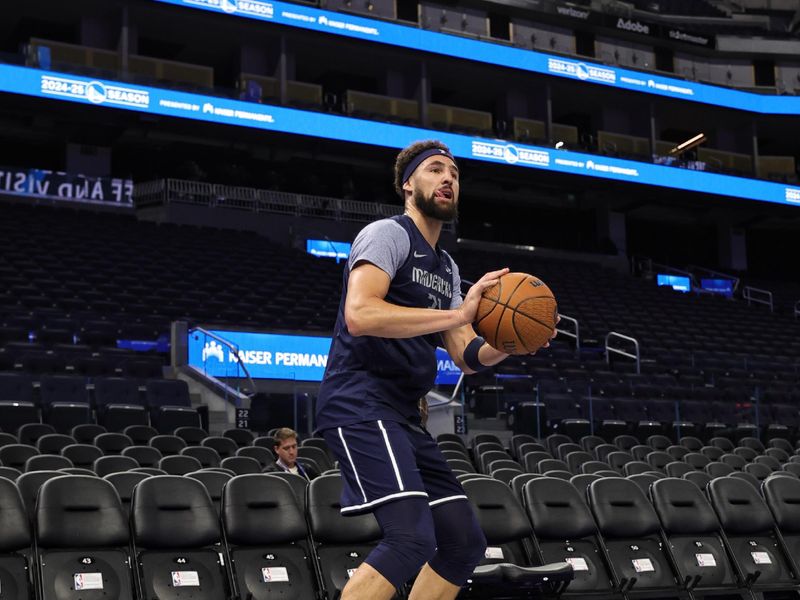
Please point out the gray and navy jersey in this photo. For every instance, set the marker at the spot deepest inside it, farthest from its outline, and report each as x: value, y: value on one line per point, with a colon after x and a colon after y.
x: 369, y: 378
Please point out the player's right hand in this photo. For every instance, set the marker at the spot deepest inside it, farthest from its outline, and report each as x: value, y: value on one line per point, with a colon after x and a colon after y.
x: 469, y: 307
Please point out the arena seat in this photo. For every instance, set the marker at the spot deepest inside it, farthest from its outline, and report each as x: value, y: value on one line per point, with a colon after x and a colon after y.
x: 118, y: 403
x: 693, y: 537
x: 564, y: 530
x: 124, y: 483
x: 31, y: 432
x: 15, y: 455
x: 47, y: 462
x: 168, y: 445
x: 15, y: 543
x: 146, y: 456
x: 214, y: 482
x: 86, y: 432
x: 179, y: 465
x: 112, y: 443
x: 224, y: 446
x: 630, y: 536
x: 266, y: 529
x: 750, y: 535
x: 342, y: 543
x: 53, y: 443
x: 208, y: 457
x: 82, y: 455
x: 264, y: 457
x: 82, y: 539
x: 105, y: 465
x: 176, y: 533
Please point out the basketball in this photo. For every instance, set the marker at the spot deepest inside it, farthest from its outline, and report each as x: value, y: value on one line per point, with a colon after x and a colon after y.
x: 518, y: 315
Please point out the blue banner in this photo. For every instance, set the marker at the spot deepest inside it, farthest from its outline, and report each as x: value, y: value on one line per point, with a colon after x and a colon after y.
x: 447, y: 371
x: 171, y: 103
x: 306, y: 17
x: 276, y: 356
x: 266, y: 355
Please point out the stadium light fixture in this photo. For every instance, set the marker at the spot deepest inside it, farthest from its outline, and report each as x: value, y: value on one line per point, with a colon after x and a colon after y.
x: 689, y: 144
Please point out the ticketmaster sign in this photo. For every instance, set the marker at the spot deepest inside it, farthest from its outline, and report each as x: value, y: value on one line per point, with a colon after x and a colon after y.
x: 274, y: 356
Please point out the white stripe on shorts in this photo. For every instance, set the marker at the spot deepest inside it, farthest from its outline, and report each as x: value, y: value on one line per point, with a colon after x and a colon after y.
x: 391, y: 456
x: 352, y: 465
x: 447, y: 499
x: 348, y: 509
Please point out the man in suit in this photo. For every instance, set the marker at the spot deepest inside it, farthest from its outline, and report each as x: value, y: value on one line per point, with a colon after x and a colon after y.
x: 285, y: 448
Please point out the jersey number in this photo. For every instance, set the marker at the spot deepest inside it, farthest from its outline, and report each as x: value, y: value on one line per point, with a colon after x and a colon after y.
x: 436, y: 302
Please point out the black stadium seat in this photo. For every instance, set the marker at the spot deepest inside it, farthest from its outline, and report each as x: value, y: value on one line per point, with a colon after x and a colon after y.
x: 105, y: 465
x: 29, y: 484
x: 15, y: 543
x: 564, y: 530
x: 146, y: 456
x: 179, y: 465
x: 82, y: 455
x: 15, y: 455
x: 140, y: 434
x: 82, y: 540
x: 783, y: 498
x: 169, y: 405
x: 342, y: 543
x: 47, y: 462
x: 751, y: 536
x: 124, y: 483
x: 168, y: 445
x: 214, y: 482
x: 208, y: 457
x: 225, y: 447
x: 507, y: 567
x: 693, y: 537
x: 266, y: 535
x: 630, y: 532
x: 118, y: 403
x: 53, y: 443
x: 175, y: 533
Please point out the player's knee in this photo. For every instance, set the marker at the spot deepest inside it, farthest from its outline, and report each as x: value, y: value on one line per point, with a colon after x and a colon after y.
x: 417, y: 546
x: 408, y: 540
x: 471, y: 545
x: 461, y: 543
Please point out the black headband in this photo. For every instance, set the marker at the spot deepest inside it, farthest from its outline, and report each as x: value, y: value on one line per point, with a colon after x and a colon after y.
x: 415, y: 162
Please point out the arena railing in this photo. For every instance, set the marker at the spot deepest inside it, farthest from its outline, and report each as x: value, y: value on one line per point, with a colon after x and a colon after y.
x: 613, y: 335
x: 759, y: 296
x: 241, y: 397
x: 178, y: 191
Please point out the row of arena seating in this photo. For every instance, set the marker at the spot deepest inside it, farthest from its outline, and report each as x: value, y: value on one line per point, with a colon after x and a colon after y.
x: 266, y: 538
x: 141, y: 448
x: 556, y: 457
x: 64, y: 401
x: 669, y: 540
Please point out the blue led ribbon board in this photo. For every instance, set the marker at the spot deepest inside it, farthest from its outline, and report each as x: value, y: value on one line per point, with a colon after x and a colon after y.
x: 676, y: 282
x: 274, y: 356
x: 314, y: 19
x: 212, y: 109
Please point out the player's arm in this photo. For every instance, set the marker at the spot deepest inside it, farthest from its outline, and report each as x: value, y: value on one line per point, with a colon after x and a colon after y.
x: 366, y: 311
x: 456, y: 342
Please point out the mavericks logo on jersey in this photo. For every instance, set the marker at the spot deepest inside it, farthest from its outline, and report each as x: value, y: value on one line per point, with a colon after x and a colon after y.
x: 432, y: 281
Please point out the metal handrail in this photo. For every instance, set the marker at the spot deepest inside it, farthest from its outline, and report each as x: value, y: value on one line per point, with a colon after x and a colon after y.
x: 235, y: 349
x: 576, y: 336
x: 747, y: 294
x: 610, y: 349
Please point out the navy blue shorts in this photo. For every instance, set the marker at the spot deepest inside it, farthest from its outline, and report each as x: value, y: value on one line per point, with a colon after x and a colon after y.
x: 383, y: 461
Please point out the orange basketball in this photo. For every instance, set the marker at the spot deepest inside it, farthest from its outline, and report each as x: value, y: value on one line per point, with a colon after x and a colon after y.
x: 518, y: 315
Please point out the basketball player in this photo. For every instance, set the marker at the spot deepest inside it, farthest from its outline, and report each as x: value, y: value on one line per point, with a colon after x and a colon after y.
x: 400, y: 300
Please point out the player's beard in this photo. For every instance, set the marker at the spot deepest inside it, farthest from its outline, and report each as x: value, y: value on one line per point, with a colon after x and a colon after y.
x: 428, y: 207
